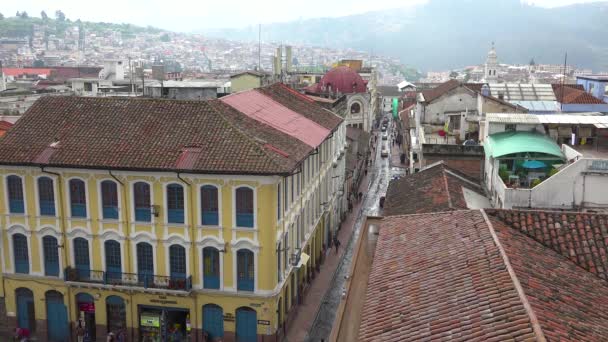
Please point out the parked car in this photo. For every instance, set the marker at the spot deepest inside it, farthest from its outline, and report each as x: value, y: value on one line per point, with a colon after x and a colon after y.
x: 384, y: 153
x: 384, y: 136
x: 383, y: 128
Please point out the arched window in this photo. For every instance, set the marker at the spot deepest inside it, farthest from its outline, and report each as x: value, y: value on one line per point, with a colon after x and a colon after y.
x: 213, y: 321
x: 141, y: 194
x: 78, y: 200
x: 109, y: 200
x: 175, y: 203
x: 46, y: 196
x: 209, y: 206
x: 245, y: 270
x: 177, y: 261
x: 113, y: 260
x: 81, y: 258
x: 51, y: 256
x: 20, y: 254
x: 14, y: 187
x: 355, y: 108
x: 25, y: 309
x: 246, y: 325
x: 211, y: 268
x: 145, y: 264
x: 116, y: 313
x: 244, y: 207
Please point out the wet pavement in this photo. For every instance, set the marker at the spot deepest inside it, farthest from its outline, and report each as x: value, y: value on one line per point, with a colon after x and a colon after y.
x: 379, y: 177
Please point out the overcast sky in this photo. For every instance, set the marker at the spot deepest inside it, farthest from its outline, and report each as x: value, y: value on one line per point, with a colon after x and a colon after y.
x: 192, y: 15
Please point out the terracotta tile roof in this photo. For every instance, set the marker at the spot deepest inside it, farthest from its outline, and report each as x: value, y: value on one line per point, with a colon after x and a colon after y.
x: 5, y: 125
x: 444, y: 276
x: 573, y: 94
x: 153, y: 135
x: 441, y: 277
x: 580, y: 237
x: 570, y: 304
x: 436, y: 188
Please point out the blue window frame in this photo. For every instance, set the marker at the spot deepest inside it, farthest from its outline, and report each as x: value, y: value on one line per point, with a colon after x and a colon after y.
x: 78, y: 200
x: 209, y: 206
x: 51, y: 256
x: 175, y: 203
x: 145, y: 263
x: 109, y: 200
x: 244, y: 207
x: 46, y: 196
x: 113, y: 260
x: 141, y: 194
x: 15, y: 195
x: 20, y: 254
x: 245, y: 270
x: 211, y: 268
x: 177, y: 261
x: 81, y: 258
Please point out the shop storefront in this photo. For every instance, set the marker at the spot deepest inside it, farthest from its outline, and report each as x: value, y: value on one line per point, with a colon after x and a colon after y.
x: 163, y: 324
x: 86, y: 315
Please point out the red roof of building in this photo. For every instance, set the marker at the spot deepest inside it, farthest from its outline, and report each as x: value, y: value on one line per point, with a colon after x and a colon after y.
x: 26, y: 71
x: 340, y: 79
x: 5, y: 125
x: 165, y: 135
x: 463, y: 275
x: 573, y: 94
x: 270, y: 112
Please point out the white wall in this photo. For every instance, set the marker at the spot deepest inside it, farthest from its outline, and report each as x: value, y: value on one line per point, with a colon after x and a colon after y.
x: 458, y: 100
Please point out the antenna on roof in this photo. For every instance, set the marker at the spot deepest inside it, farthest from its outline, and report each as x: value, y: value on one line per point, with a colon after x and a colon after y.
x: 561, y: 102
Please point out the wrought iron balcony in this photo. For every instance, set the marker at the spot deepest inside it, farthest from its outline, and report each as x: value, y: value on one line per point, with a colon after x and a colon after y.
x: 145, y: 280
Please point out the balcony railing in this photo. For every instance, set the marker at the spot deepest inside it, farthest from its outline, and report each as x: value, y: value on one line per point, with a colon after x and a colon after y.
x: 149, y: 281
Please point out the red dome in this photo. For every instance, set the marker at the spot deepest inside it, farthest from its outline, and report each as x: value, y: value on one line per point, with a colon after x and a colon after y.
x: 342, y: 79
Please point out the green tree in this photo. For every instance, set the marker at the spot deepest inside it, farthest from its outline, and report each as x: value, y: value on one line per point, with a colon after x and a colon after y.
x: 43, y: 15
x: 38, y: 63
x: 1, y: 16
x: 59, y: 15
x: 453, y: 74
x: 165, y: 38
x: 24, y: 15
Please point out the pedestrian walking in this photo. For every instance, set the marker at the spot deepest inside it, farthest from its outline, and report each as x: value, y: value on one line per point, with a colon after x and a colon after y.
x: 110, y: 337
x: 336, y: 243
x: 350, y: 206
x: 360, y: 196
x: 80, y: 332
x: 365, y: 171
x: 21, y: 334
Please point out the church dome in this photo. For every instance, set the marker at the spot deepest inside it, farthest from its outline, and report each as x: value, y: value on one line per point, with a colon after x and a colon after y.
x: 342, y: 79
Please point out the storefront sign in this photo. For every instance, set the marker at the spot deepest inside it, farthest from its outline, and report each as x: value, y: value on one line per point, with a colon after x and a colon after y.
x: 229, y: 317
x: 260, y: 322
x: 160, y: 301
x: 86, y: 307
x: 255, y: 305
x: 150, y: 321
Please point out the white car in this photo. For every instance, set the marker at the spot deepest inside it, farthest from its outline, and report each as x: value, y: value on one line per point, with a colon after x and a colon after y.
x: 384, y: 136
x: 384, y: 153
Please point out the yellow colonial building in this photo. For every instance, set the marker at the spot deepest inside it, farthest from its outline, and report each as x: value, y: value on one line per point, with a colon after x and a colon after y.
x: 161, y: 219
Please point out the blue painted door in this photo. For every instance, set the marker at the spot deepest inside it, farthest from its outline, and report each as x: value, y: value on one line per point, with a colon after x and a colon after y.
x: 81, y: 256
x: 113, y: 261
x: 25, y: 307
x: 246, y: 325
x: 211, y: 268
x: 213, y: 321
x: 57, y: 318
x: 245, y: 270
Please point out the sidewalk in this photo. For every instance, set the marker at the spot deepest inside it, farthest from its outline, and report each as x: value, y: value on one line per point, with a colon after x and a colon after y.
x: 305, y: 314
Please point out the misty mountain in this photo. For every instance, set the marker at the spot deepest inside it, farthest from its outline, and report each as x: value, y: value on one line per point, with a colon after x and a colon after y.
x: 446, y: 34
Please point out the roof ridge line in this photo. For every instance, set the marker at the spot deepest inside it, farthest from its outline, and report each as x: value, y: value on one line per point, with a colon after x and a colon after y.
x: 241, y: 132
x: 447, y: 189
x: 520, y: 291
x: 460, y: 177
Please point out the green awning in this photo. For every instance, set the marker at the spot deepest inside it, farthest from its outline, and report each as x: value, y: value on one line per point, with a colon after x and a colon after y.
x: 507, y: 143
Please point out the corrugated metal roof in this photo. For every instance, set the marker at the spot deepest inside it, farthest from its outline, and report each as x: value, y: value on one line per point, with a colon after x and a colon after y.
x: 591, y: 118
x: 539, y: 106
x: 523, y: 91
x: 270, y: 112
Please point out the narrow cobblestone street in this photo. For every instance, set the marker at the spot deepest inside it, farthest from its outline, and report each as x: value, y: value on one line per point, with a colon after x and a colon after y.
x: 315, y: 316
